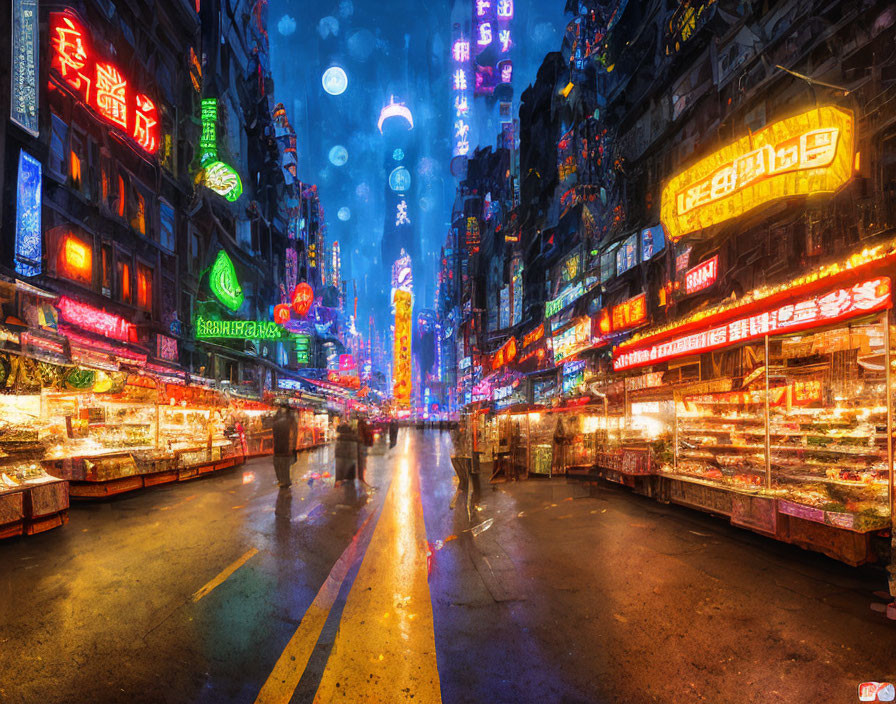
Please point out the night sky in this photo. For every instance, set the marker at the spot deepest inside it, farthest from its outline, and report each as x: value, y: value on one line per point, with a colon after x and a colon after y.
x: 393, y: 47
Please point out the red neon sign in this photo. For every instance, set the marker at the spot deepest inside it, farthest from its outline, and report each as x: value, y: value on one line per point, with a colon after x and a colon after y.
x: 533, y: 336
x: 841, y: 304
x: 506, y: 354
x: 630, y: 313
x: 302, y: 298
x: 282, y: 314
x: 94, y: 319
x: 101, y: 85
x: 702, y: 276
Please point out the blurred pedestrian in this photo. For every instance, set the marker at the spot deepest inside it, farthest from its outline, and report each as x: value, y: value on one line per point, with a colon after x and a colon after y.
x: 284, y: 445
x: 365, y: 440
x: 346, y: 452
x: 393, y: 432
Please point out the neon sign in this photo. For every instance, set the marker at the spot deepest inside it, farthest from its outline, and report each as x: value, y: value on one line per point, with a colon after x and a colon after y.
x: 573, y: 340
x: 841, y: 304
x: 401, y: 214
x: 302, y: 298
x: 394, y: 109
x: 239, y: 329
x: 505, y: 355
x: 702, y: 276
x: 223, y: 282
x: 533, y: 336
x: 93, y: 319
x: 100, y: 84
x: 28, y: 234
x: 219, y: 177
x: 809, y: 153
x: 401, y: 347
x: 568, y: 296
x: 629, y: 313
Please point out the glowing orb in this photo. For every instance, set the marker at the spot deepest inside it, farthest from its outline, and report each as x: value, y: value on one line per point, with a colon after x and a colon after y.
x: 344, y: 214
x: 335, y: 81
x: 338, y: 155
x: 400, y: 179
x: 398, y: 155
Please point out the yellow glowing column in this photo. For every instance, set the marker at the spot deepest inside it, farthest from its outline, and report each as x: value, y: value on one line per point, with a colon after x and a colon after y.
x: 401, y: 348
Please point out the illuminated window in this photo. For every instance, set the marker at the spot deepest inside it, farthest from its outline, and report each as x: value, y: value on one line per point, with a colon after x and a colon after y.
x: 107, y: 270
x: 138, y: 218
x: 144, y: 287
x: 122, y: 198
x: 166, y: 226
x: 75, y: 260
x: 75, y: 169
x: 105, y: 185
x: 58, y: 145
x: 124, y: 282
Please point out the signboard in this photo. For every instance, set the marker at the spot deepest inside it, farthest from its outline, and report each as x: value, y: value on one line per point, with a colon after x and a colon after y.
x: 93, y: 319
x: 627, y: 255
x: 573, y: 376
x: 239, y: 329
x: 401, y: 347
x: 303, y: 348
x: 23, y: 105
x: 702, y: 276
x: 630, y: 313
x: 653, y: 241
x: 101, y: 85
x: 505, y: 355
x: 568, y: 296
x: 544, y: 391
x: 841, y: 304
x: 29, y: 249
x: 573, y: 340
x: 166, y: 348
x: 802, y: 155
x: 533, y: 336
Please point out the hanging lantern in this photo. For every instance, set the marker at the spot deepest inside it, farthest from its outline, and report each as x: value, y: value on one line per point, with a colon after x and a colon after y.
x: 302, y: 298
x: 282, y: 314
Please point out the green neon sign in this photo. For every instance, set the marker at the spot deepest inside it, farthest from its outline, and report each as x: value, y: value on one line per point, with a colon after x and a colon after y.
x: 223, y: 282
x: 222, y: 178
x: 239, y: 329
x: 303, y: 348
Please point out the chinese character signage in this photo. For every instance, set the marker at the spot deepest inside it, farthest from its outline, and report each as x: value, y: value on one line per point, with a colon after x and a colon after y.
x: 93, y: 319
x: 866, y: 297
x: 810, y: 153
x: 401, y: 350
x: 460, y: 94
x: 702, y: 276
x: 24, y: 70
x: 29, y: 249
x: 630, y: 313
x: 101, y: 85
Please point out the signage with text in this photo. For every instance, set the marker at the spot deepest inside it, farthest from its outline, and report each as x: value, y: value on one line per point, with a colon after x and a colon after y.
x: 798, y: 156
x: 865, y: 297
x: 702, y: 276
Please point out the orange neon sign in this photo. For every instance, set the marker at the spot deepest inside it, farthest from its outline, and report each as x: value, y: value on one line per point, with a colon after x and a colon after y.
x: 809, y: 153
x: 506, y: 354
x: 100, y: 84
x: 533, y: 335
x: 629, y: 313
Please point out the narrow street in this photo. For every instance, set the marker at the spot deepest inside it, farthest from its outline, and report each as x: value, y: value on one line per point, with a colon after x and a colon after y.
x: 228, y: 590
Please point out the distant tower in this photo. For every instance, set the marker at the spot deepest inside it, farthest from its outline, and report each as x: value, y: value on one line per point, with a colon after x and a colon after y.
x: 402, y: 304
x: 396, y: 124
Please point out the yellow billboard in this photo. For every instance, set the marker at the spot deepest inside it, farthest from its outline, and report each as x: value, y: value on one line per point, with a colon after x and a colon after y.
x: 810, y: 153
x: 401, y: 348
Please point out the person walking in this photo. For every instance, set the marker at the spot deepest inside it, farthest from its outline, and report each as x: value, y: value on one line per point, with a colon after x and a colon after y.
x: 365, y: 440
x: 346, y: 452
x: 284, y: 445
x: 393, y: 432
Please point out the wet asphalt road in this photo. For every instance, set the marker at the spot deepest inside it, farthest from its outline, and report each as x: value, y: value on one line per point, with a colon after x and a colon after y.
x: 226, y: 590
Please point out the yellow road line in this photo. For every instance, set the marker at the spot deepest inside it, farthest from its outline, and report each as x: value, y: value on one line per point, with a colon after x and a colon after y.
x: 285, y: 677
x: 385, y: 646
x: 224, y: 575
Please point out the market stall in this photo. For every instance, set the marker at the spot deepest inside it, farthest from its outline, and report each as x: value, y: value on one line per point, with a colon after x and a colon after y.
x: 781, y: 422
x: 31, y: 500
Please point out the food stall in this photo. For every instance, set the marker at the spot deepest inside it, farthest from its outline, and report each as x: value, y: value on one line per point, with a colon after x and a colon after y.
x: 31, y: 500
x: 780, y: 419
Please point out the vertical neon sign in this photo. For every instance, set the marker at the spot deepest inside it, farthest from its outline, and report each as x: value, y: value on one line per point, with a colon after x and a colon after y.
x: 461, y: 55
x: 28, y: 235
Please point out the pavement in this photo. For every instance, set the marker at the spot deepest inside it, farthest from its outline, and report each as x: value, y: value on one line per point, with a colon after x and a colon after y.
x: 227, y: 589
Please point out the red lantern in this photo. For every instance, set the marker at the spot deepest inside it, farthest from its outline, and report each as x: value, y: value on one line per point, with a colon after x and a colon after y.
x: 302, y: 298
x: 282, y: 314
